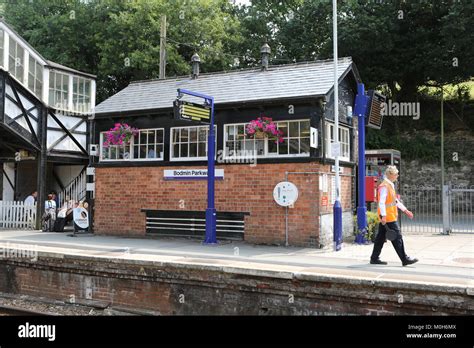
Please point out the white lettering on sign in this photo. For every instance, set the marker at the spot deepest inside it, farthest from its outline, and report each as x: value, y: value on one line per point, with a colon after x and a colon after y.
x: 37, y: 331
x: 191, y: 174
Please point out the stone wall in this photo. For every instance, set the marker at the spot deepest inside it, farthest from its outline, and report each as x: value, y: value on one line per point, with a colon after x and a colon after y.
x: 327, y: 222
x: 458, y: 161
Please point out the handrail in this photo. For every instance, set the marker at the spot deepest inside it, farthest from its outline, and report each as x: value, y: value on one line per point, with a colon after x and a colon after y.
x: 75, y: 190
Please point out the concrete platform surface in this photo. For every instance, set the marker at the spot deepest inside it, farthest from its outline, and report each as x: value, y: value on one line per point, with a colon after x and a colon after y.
x: 444, y: 260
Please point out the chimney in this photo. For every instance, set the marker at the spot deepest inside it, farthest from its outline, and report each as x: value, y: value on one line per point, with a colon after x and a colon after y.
x: 265, y: 51
x: 195, y: 60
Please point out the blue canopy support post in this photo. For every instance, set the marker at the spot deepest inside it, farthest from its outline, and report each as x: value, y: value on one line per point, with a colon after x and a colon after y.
x: 211, y: 219
x: 211, y: 214
x: 360, y: 110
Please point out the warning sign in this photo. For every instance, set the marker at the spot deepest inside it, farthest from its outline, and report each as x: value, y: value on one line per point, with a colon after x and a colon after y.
x: 324, y: 201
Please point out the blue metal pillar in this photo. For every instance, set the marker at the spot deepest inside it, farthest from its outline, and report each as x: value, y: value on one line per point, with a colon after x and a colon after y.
x: 337, y: 221
x: 211, y: 216
x: 211, y: 219
x: 360, y: 110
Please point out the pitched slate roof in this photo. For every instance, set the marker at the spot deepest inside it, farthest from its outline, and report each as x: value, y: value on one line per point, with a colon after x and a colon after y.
x: 308, y: 79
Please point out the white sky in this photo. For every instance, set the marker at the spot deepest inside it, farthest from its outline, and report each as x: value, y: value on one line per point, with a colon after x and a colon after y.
x: 242, y: 2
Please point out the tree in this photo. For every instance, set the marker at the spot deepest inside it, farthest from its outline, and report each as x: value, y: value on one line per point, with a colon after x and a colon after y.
x: 401, y: 45
x: 119, y: 40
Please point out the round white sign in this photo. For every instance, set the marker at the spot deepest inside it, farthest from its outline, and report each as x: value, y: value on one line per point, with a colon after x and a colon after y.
x: 285, y: 193
x: 81, y: 217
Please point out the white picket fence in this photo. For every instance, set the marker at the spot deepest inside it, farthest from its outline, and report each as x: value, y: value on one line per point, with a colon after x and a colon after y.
x: 16, y: 214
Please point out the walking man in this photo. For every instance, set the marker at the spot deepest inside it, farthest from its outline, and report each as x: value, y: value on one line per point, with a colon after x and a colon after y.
x: 387, y: 210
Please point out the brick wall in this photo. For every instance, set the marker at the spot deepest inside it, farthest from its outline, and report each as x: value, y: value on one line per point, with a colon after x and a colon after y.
x: 172, y: 288
x: 122, y: 192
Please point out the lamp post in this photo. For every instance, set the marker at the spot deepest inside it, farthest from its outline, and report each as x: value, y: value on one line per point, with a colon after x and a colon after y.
x: 445, y: 197
x: 337, y: 209
x: 442, y: 136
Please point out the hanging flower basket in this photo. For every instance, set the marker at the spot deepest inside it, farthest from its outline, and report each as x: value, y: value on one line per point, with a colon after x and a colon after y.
x: 259, y: 135
x: 120, y: 134
x: 264, y: 127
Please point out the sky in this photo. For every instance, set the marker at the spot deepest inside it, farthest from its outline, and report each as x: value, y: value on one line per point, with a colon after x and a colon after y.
x: 242, y: 2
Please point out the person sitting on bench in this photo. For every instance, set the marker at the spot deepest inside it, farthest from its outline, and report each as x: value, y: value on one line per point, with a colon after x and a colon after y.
x: 64, y: 216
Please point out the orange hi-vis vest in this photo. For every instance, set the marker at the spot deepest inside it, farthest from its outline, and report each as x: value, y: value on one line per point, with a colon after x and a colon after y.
x: 390, y: 203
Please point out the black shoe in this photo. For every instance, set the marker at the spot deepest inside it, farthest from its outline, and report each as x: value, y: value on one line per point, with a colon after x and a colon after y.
x: 409, y: 261
x: 377, y: 262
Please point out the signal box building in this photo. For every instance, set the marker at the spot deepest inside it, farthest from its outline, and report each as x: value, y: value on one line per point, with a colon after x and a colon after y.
x: 147, y: 188
x: 44, y: 108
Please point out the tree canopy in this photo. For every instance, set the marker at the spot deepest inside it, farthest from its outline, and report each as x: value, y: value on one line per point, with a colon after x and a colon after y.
x: 397, y: 45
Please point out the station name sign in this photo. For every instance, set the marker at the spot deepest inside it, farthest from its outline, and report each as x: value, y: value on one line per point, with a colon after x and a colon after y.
x: 191, y: 174
x: 188, y: 111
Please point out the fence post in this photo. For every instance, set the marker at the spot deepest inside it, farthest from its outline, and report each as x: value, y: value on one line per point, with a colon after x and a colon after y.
x: 446, y: 210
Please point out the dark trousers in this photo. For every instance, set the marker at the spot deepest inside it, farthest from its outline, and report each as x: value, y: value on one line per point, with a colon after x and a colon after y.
x: 380, y: 240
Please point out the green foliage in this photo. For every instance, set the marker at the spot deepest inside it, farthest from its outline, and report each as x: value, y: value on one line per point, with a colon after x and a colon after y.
x: 120, y: 40
x: 412, y: 147
x: 400, y: 45
x: 372, y: 224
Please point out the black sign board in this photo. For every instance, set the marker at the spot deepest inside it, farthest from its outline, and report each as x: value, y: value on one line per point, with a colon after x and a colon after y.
x: 374, y: 109
x: 188, y: 111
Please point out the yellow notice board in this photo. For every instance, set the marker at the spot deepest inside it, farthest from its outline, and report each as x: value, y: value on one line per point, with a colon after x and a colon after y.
x: 188, y: 111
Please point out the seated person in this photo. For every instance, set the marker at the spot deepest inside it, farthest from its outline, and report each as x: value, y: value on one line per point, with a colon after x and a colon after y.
x: 64, y: 216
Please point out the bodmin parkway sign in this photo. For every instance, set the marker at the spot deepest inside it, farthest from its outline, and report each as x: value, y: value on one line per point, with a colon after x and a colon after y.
x: 191, y: 174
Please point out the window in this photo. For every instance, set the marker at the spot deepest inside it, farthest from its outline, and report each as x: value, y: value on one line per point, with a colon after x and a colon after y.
x: 147, y: 145
x: 35, y: 77
x: 16, y: 61
x: 189, y: 143
x: 295, y: 136
x: 81, y: 94
x: 58, y: 90
x: 344, y: 139
x: 2, y: 41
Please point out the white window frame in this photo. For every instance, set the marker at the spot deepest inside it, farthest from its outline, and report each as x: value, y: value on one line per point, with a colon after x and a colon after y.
x: 345, y: 146
x: 266, y: 140
x: 2, y: 48
x: 36, y: 72
x: 78, y: 94
x: 201, y: 158
x: 16, y: 68
x: 131, y: 149
x: 52, y: 88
